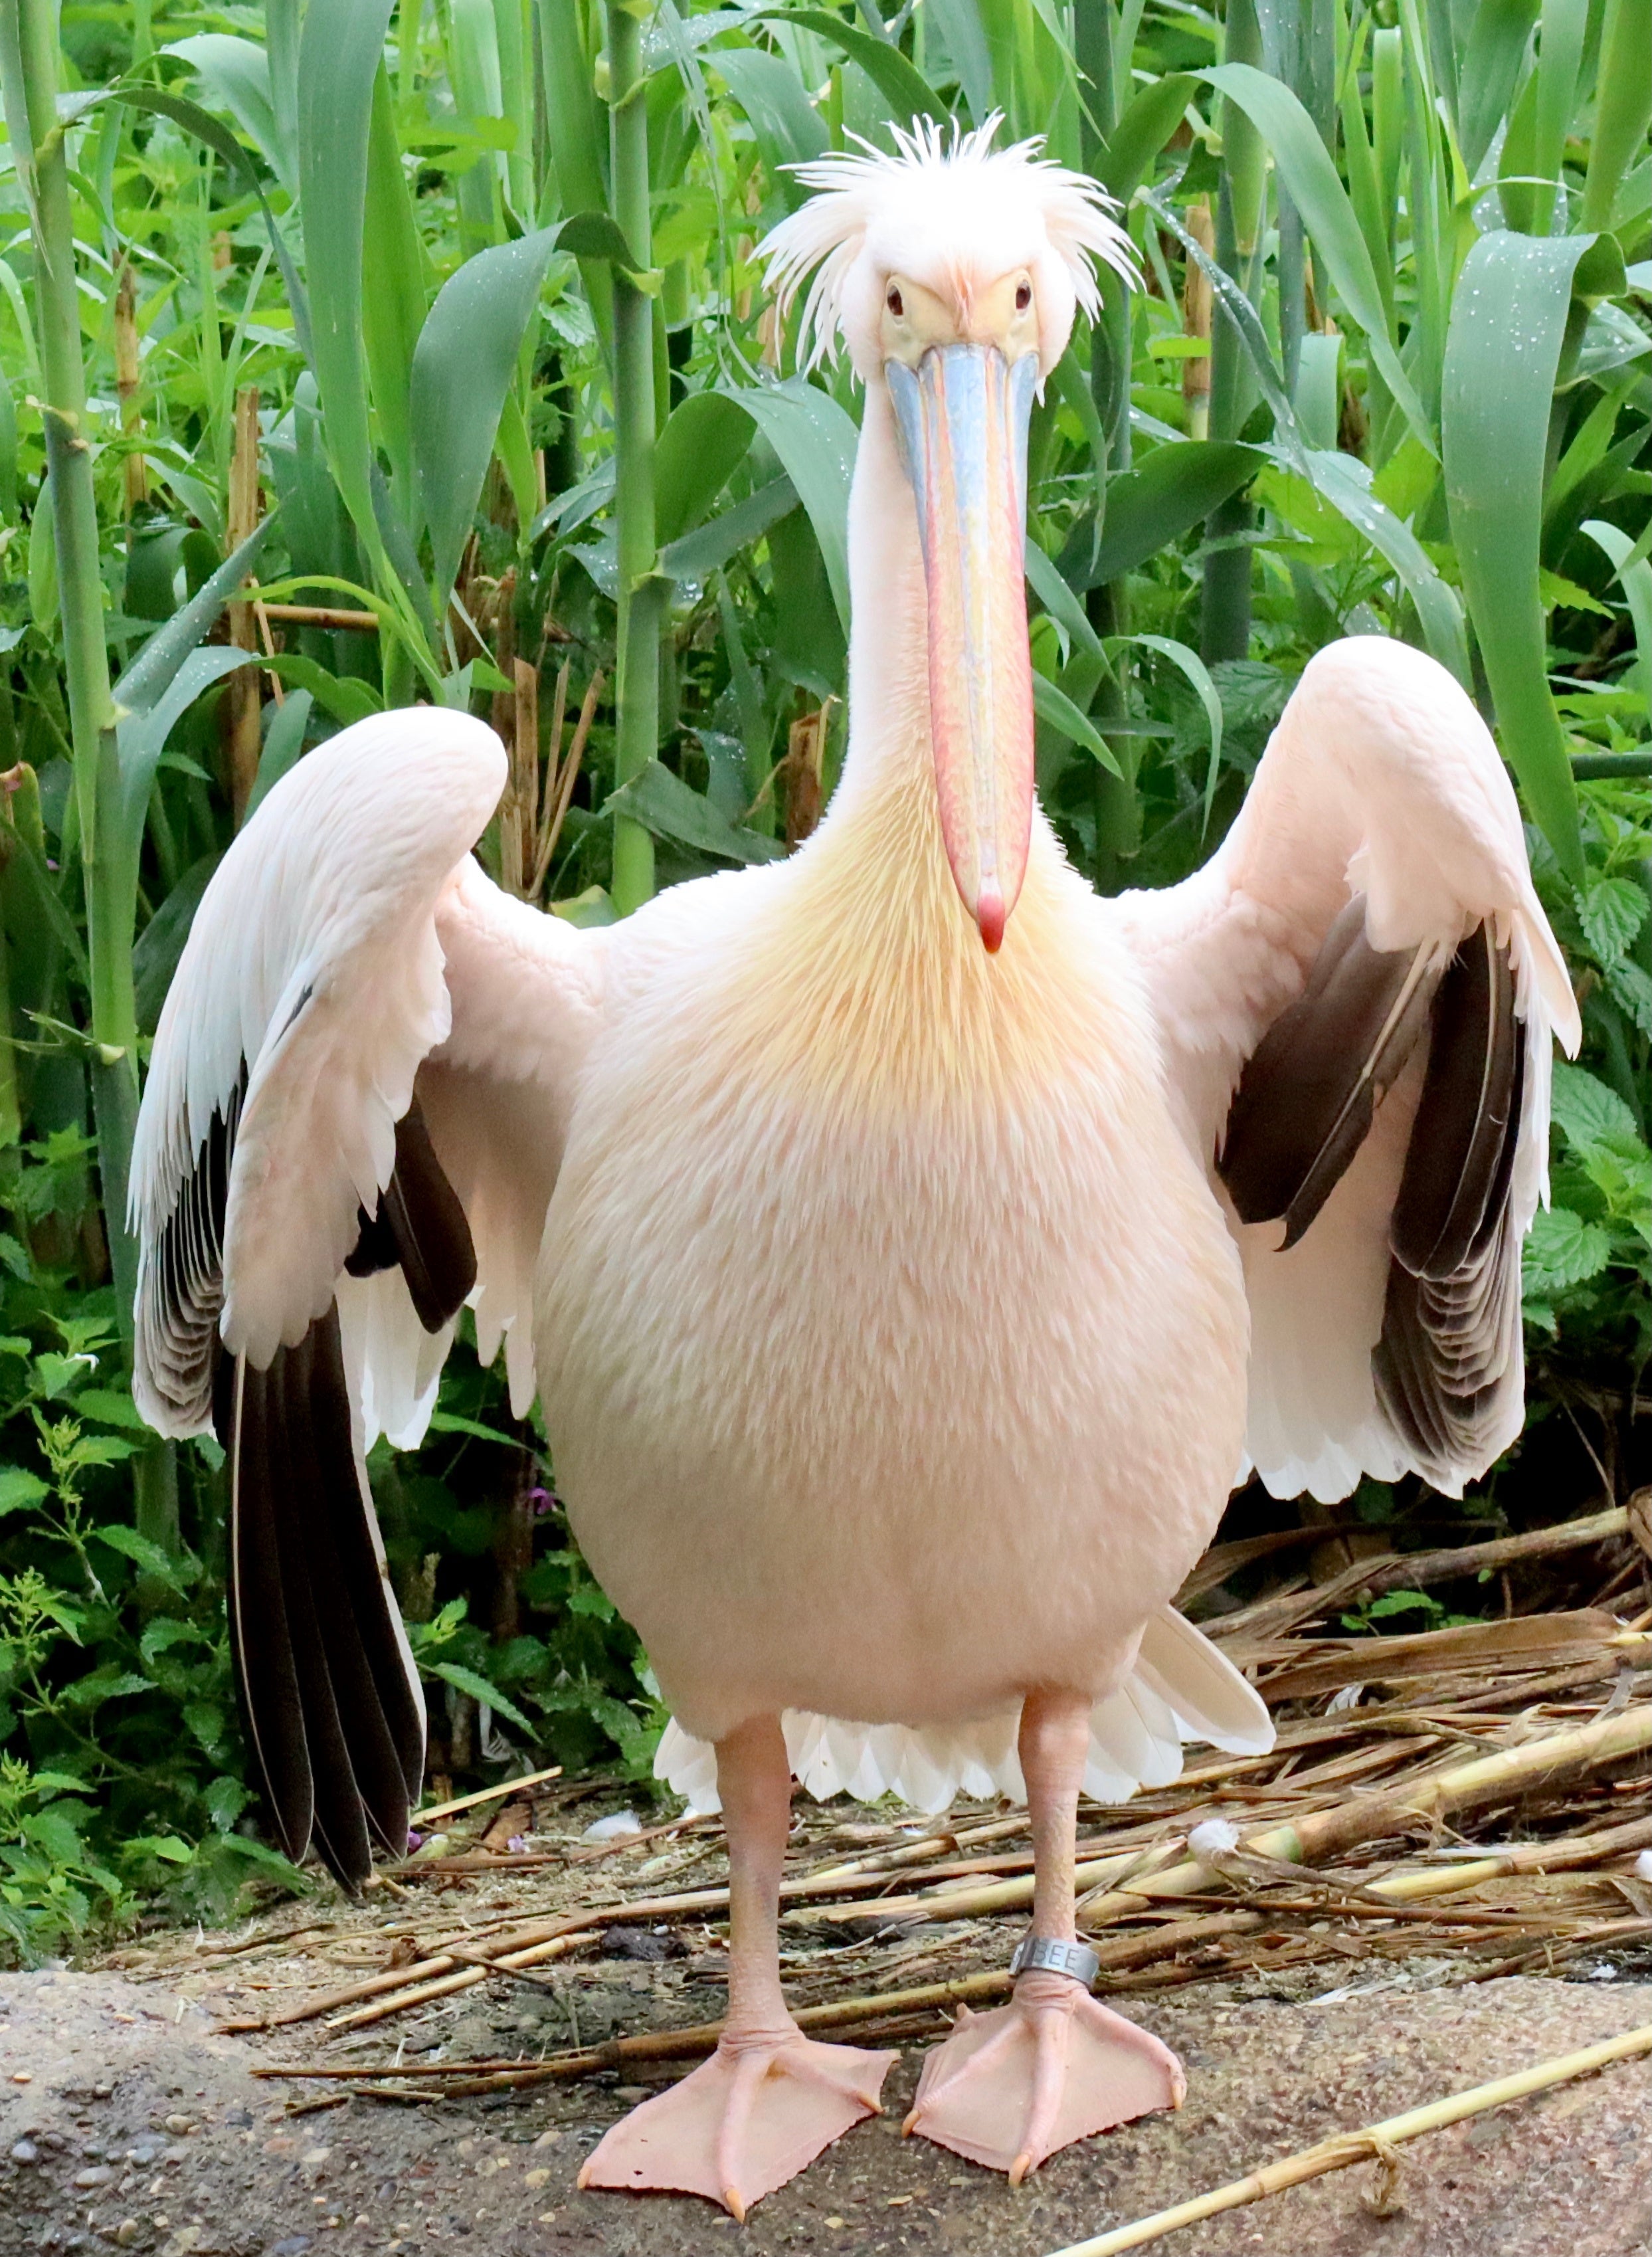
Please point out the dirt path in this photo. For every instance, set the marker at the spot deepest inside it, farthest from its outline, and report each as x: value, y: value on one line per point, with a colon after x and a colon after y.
x: 124, y: 2123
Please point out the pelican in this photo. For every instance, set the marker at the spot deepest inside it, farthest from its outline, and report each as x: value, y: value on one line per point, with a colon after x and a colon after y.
x: 909, y: 1248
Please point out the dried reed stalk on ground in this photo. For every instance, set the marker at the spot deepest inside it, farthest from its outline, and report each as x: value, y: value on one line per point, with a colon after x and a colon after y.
x: 1374, y: 2141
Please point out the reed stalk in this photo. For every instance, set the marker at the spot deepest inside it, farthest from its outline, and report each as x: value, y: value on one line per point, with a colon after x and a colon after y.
x: 1116, y: 805
x: 29, y: 77
x: 637, y: 726
x: 29, y: 81
x: 1224, y: 628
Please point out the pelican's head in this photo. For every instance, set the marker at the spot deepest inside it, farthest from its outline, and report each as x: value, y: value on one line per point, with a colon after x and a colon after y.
x: 952, y: 272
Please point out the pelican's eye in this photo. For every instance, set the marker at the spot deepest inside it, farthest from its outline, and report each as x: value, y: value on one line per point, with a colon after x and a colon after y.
x: 1023, y: 296
x: 895, y: 303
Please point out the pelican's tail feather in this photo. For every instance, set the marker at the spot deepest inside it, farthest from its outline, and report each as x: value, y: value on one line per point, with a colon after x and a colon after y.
x: 1181, y: 1688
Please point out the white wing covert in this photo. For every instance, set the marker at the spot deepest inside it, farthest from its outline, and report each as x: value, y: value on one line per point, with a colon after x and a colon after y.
x: 1356, y: 999
x: 355, y: 1111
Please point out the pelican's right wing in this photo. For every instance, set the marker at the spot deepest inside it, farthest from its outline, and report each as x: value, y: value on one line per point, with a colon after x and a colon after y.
x: 1356, y: 1001
x: 356, y: 1104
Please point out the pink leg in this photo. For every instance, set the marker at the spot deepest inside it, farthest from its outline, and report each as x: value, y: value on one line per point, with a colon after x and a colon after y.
x: 769, y: 2100
x: 1010, y: 2088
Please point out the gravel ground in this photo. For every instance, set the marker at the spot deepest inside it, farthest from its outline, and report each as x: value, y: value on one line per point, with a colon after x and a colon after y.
x: 126, y: 2123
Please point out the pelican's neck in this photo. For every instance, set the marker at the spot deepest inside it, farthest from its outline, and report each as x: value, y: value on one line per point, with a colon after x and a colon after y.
x: 889, y: 743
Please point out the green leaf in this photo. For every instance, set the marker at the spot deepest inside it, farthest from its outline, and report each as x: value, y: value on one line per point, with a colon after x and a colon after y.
x: 1240, y: 312
x: 790, y: 130
x: 107, y: 1683
x: 1056, y: 709
x: 339, y: 52
x: 165, y: 1631
x: 225, y: 1800
x: 1635, y: 576
x: 705, y: 439
x: 1193, y: 667
x: 451, y: 1422
x: 217, y: 137
x: 467, y: 1680
x: 594, y: 234
x: 1612, y: 913
x: 151, y: 674
x: 1151, y: 117
x: 346, y: 697
x: 1502, y: 353
x: 1630, y: 986
x: 664, y: 804
x: 1491, y: 64
x: 110, y: 1406
x: 576, y: 134
x: 959, y: 25
x: 902, y: 86
x: 1561, y: 1250
x: 235, y: 74
x: 145, y: 1555
x: 1307, y: 172
x: 816, y: 442
x: 703, y: 552
x: 1587, y: 1112
x: 1345, y: 484
x: 463, y: 364
x: 1175, y: 488
x: 394, y: 296
x: 172, y: 1849
x: 19, y: 1491
x: 283, y: 747
x: 143, y: 738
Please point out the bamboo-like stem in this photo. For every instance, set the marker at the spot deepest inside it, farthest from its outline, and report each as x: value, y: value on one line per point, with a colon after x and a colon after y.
x: 1557, y: 1757
x: 637, y: 726
x: 556, y: 804
x: 494, y: 1794
x: 29, y: 68
x: 128, y: 376
x: 1373, y: 2143
x: 1195, y: 323
x: 241, y: 712
x: 1224, y: 628
x: 1118, y: 813
x: 1348, y: 1823
x: 322, y: 615
x: 1623, y: 104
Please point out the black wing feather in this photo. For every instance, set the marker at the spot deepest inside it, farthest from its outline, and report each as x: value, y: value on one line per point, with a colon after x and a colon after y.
x: 1450, y: 1342
x: 1309, y: 1092
x: 334, y: 1718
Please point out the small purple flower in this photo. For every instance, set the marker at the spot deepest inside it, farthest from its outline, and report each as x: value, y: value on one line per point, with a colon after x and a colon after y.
x: 414, y: 1841
x: 544, y: 1501
x: 516, y: 1845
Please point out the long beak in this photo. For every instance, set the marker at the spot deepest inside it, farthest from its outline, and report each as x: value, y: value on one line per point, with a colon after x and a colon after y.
x: 962, y: 417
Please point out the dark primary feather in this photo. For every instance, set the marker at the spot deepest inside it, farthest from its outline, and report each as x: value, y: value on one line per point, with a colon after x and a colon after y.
x: 419, y: 1224
x: 182, y: 1297
x: 332, y: 1718
x: 1451, y: 1339
x: 1449, y: 1345
x: 1309, y: 1091
x: 330, y: 1701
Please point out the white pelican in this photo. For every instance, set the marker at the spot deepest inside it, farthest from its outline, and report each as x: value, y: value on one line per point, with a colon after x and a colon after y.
x: 860, y: 1218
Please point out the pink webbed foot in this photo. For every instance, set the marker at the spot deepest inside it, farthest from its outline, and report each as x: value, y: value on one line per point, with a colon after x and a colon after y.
x: 743, y: 2122
x: 1010, y: 2088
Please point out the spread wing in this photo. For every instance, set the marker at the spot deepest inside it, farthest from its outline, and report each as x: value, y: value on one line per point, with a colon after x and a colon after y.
x: 1357, y: 998
x: 355, y: 1111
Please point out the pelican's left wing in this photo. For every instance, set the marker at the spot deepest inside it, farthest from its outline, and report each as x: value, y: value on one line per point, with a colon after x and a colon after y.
x: 356, y: 1104
x: 1356, y: 999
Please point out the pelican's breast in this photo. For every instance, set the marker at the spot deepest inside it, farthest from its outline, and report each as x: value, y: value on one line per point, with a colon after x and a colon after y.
x: 874, y: 1295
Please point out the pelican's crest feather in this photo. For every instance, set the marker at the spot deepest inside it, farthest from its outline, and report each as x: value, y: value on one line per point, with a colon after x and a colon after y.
x: 935, y: 181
